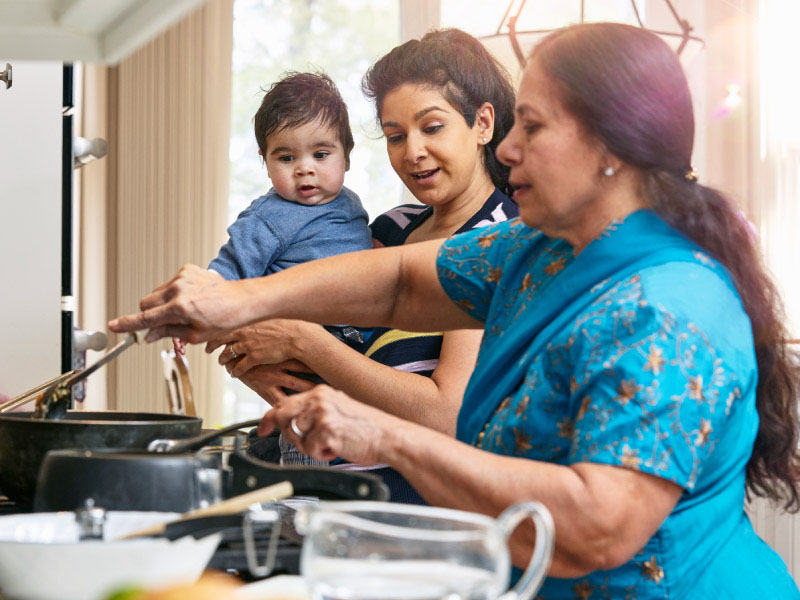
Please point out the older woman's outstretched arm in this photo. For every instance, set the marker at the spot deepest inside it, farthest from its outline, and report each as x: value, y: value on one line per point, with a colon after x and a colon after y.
x: 393, y: 287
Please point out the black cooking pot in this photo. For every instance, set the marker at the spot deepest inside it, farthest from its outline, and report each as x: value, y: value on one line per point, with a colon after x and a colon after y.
x: 24, y: 442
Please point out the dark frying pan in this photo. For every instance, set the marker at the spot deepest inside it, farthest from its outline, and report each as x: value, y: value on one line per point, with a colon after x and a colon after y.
x: 25, y: 441
x: 175, y: 478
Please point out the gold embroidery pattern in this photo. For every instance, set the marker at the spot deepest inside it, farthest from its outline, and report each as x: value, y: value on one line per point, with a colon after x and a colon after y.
x: 556, y: 266
x: 464, y: 263
x: 494, y: 275
x: 487, y: 239
x: 652, y: 570
x: 467, y: 262
x: 583, y: 590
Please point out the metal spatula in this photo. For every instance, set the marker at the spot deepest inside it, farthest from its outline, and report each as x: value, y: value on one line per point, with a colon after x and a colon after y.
x: 53, y: 403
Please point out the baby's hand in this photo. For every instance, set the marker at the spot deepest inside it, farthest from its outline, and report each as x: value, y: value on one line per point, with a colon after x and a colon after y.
x: 179, y: 345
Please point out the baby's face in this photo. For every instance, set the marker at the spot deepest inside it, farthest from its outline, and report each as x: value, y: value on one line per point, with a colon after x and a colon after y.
x: 306, y: 164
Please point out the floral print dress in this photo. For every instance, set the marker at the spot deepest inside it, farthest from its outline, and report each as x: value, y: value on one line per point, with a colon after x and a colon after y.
x: 636, y: 353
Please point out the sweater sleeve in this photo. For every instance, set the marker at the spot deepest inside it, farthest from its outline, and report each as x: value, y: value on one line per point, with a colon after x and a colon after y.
x: 252, y: 246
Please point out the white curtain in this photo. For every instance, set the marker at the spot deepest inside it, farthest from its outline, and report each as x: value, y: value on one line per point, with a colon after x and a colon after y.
x: 160, y: 198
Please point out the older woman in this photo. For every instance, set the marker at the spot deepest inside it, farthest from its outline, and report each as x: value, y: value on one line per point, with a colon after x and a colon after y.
x: 632, y: 375
x: 444, y: 104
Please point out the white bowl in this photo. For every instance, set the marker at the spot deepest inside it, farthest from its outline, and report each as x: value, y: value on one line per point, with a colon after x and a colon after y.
x: 42, y: 559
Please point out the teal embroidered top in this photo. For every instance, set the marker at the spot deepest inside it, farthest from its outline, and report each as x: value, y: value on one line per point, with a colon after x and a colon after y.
x: 636, y: 353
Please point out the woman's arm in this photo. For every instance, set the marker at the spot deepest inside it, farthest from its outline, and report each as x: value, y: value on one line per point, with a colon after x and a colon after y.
x: 603, y: 514
x: 393, y: 287
x: 431, y: 401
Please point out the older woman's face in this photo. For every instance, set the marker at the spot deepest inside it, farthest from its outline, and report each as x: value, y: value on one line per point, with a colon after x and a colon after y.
x: 430, y: 145
x: 555, y: 166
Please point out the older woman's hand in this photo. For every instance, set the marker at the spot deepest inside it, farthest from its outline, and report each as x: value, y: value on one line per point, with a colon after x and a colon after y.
x: 268, y: 380
x: 195, y: 305
x: 264, y: 343
x: 325, y: 423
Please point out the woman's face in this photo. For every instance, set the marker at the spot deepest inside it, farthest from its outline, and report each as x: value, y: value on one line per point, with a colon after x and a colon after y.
x: 556, y: 167
x: 430, y: 146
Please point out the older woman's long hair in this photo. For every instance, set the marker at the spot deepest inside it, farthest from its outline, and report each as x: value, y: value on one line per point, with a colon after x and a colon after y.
x: 627, y: 88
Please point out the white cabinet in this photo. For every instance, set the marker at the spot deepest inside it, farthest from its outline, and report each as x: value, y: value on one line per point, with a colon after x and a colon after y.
x: 30, y: 225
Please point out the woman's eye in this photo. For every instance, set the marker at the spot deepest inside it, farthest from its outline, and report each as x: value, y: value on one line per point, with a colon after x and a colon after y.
x: 395, y: 138
x: 320, y: 155
x: 430, y: 129
x: 286, y: 158
x: 531, y: 128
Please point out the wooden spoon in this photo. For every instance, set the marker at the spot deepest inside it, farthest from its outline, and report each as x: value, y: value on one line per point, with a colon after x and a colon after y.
x: 227, y: 507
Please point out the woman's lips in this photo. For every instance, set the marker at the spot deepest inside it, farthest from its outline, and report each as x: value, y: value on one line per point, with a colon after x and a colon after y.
x: 425, y: 177
x: 519, y: 190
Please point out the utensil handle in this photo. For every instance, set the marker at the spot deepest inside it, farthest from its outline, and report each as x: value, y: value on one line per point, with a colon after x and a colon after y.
x: 197, y: 442
x: 134, y: 337
x: 231, y: 506
x: 29, y: 396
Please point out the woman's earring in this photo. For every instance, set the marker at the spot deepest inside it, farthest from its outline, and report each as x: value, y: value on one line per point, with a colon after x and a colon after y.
x: 484, y: 140
x: 608, y: 171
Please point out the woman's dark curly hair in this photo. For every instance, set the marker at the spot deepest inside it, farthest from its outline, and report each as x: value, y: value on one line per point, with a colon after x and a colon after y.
x: 460, y: 67
x: 627, y: 88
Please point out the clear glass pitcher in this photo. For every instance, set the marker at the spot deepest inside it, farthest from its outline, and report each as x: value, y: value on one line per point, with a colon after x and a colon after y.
x: 385, y: 551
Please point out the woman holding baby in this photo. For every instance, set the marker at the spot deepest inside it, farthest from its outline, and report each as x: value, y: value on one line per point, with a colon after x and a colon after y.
x: 444, y: 104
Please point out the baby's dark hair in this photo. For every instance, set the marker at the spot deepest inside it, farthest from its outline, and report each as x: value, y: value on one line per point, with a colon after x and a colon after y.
x: 297, y: 99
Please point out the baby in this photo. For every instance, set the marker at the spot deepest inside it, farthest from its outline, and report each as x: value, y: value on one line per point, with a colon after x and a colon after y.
x: 303, y: 135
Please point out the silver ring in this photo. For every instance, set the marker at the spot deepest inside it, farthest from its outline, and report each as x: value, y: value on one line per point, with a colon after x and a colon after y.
x: 233, y: 352
x: 293, y: 426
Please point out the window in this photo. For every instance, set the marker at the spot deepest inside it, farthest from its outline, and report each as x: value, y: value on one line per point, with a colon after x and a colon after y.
x: 341, y: 37
x: 777, y: 163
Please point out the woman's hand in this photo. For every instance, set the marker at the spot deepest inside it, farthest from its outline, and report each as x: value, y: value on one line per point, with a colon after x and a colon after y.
x: 268, y: 380
x: 263, y: 343
x: 332, y: 425
x: 195, y: 305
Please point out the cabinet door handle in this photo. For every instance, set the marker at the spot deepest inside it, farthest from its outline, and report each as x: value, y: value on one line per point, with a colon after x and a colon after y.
x: 6, y: 76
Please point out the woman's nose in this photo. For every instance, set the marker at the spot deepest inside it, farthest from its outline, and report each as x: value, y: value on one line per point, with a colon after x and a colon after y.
x: 508, y: 151
x: 415, y: 149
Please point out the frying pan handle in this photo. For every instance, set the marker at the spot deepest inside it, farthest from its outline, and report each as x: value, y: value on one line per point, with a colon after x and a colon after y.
x: 195, y: 443
x: 249, y: 473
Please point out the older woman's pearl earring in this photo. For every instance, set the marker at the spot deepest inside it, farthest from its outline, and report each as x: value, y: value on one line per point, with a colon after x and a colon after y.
x: 484, y: 140
x: 608, y: 171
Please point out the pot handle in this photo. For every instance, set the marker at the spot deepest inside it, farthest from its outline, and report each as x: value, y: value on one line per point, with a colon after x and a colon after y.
x: 197, y: 442
x: 534, y: 574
